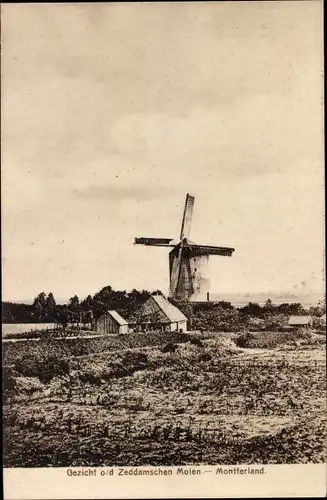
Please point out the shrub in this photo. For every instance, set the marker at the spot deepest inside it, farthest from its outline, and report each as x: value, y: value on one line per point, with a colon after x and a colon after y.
x: 274, y: 321
x: 120, y: 371
x: 8, y: 383
x: 196, y: 341
x: 90, y: 378
x: 244, y: 340
x: 271, y: 340
x: 301, y: 333
x: 45, y: 369
x: 27, y: 366
x: 134, y: 361
x: 206, y: 356
x: 170, y: 347
x: 53, y: 367
x: 218, y: 318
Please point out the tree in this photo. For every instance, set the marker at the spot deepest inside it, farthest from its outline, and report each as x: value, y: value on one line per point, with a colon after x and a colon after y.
x: 225, y: 305
x: 87, y: 306
x: 18, y: 313
x: 274, y: 321
x: 87, y: 303
x: 87, y: 318
x: 51, y: 307
x: 42, y: 299
x: 297, y: 309
x: 252, y: 309
x: 318, y: 310
x: 269, y: 306
x: 7, y: 316
x: 39, y: 307
x: 63, y: 317
x: 74, y: 308
x: 105, y: 294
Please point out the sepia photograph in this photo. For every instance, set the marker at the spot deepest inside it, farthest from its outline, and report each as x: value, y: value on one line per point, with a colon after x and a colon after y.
x: 163, y: 246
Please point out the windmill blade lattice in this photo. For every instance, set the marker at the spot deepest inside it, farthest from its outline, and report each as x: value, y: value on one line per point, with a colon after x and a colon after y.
x: 187, y: 217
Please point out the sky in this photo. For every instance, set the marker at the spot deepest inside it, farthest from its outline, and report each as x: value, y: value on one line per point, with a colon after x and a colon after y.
x: 111, y: 113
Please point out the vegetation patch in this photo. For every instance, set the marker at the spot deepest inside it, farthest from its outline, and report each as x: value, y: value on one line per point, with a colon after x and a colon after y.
x: 214, y: 404
x: 271, y: 340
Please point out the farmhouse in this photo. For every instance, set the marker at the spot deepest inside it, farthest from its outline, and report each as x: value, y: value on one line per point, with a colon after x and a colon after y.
x: 157, y: 313
x: 111, y: 322
x: 300, y: 321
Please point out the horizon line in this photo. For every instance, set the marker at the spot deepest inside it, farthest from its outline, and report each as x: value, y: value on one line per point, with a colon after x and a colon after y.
x: 278, y: 293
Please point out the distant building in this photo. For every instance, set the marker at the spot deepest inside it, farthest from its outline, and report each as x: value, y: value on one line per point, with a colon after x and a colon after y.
x: 300, y: 321
x: 157, y: 313
x: 112, y: 322
x: 323, y: 319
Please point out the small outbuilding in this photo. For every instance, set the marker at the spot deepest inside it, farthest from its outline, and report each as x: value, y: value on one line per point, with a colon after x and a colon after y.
x: 300, y: 321
x: 323, y: 319
x: 112, y: 322
x: 158, y: 314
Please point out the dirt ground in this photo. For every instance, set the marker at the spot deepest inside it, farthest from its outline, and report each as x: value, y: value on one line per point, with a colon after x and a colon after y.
x: 202, y: 404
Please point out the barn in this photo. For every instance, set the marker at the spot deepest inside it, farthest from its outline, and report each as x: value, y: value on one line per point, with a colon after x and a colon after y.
x: 112, y: 322
x: 157, y: 313
x: 300, y: 321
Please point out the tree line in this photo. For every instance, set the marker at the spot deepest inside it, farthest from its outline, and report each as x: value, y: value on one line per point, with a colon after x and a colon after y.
x: 221, y: 316
x: 44, y: 308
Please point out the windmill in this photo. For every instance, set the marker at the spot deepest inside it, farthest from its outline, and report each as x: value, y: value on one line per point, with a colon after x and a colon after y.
x: 188, y: 262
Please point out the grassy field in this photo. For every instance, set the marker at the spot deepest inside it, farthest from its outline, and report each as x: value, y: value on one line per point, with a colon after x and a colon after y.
x: 164, y: 400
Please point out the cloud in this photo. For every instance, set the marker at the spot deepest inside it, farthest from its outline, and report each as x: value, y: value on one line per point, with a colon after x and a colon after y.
x: 108, y: 122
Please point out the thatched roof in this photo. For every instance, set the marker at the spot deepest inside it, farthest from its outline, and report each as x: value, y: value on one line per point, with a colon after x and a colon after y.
x: 157, y: 309
x: 116, y: 316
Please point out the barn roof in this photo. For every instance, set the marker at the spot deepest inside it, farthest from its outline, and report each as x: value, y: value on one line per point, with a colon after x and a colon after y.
x: 157, y: 309
x: 172, y: 312
x: 299, y: 320
x: 117, y: 317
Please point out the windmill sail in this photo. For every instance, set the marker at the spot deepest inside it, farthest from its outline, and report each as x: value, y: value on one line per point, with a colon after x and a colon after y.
x: 187, y: 217
x: 156, y: 242
x: 188, y: 262
x: 209, y: 250
x: 175, y: 271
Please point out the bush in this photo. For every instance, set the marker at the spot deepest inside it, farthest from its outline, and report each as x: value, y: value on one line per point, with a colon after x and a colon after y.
x: 244, y: 340
x: 206, y: 356
x: 121, y: 371
x: 134, y: 361
x: 117, y: 370
x: 196, y: 341
x: 8, y: 383
x: 271, y: 340
x: 170, y: 347
x: 90, y: 378
x: 218, y: 318
x: 275, y: 321
x: 53, y: 367
x: 27, y: 366
x: 45, y: 369
x: 301, y: 333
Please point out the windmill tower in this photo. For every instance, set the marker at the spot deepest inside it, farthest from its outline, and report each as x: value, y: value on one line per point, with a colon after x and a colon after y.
x: 188, y: 262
